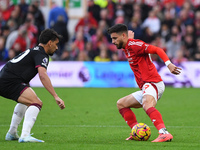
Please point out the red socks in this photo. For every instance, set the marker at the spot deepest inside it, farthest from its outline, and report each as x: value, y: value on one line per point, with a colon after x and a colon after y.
x: 152, y: 112
x: 128, y: 116
x: 155, y: 117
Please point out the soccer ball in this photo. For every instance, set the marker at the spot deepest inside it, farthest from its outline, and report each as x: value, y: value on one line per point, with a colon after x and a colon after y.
x: 141, y: 132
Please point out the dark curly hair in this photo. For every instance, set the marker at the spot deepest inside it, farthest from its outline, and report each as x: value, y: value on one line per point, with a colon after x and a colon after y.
x: 47, y: 35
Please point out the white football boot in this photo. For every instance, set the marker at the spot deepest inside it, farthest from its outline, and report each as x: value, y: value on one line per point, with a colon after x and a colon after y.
x: 11, y: 137
x: 29, y: 139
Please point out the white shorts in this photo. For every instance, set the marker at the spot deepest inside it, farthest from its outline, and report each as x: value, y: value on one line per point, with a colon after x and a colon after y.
x: 154, y: 89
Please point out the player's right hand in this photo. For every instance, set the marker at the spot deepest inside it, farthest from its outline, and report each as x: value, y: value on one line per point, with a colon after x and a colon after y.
x: 60, y: 103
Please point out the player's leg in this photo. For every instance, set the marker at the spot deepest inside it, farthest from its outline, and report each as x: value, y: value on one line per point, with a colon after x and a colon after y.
x: 17, y: 116
x: 151, y: 93
x: 29, y: 98
x: 124, y: 106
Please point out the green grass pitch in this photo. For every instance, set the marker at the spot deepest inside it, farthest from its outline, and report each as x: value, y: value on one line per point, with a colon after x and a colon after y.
x: 91, y: 121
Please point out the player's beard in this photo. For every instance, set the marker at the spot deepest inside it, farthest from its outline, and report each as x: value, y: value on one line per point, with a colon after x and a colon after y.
x: 119, y: 46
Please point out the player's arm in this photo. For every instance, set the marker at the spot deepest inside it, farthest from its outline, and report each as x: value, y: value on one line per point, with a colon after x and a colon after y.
x: 44, y: 78
x: 160, y: 52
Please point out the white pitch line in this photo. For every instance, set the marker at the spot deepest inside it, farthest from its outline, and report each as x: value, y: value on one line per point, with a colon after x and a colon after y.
x: 100, y: 126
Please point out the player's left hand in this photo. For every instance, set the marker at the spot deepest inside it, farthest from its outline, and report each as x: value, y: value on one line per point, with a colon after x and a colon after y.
x: 174, y: 69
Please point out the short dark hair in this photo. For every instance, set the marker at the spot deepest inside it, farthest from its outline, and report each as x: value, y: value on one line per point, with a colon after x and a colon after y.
x: 118, y: 28
x: 47, y: 35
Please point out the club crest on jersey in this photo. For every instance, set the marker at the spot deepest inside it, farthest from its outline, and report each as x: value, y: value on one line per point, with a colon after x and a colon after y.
x: 45, y: 62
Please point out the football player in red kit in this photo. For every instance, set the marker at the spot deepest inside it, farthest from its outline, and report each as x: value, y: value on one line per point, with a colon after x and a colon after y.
x: 147, y: 78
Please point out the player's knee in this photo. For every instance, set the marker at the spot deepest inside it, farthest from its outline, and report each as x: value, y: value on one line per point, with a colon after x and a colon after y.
x: 120, y: 104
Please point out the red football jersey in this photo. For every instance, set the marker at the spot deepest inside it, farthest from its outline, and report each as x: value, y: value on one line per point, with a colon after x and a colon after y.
x: 139, y: 60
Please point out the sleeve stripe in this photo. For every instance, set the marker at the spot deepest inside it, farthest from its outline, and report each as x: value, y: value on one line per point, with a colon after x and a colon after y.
x: 37, y: 66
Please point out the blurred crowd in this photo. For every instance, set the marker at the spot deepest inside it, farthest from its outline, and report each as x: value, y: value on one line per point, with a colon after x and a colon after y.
x: 174, y: 27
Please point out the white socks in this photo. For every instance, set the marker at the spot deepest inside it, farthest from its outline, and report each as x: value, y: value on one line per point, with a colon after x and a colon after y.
x: 29, y: 120
x: 163, y: 131
x: 17, y: 117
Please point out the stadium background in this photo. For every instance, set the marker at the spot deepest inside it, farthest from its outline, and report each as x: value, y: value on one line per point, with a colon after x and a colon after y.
x: 83, y: 67
x: 91, y: 119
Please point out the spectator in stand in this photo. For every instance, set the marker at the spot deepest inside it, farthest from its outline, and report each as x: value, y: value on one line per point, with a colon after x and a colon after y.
x: 6, y: 10
x: 11, y: 54
x: 119, y: 15
x: 2, y: 21
x: 14, y: 35
x: 104, y: 16
x: 165, y: 32
x: 39, y: 21
x: 3, y: 52
x: 197, y: 16
x: 179, y: 57
x: 148, y: 35
x: 145, y: 9
x: 158, y: 11
x: 173, y: 45
x: 179, y: 25
x: 186, y: 19
x: 111, y: 7
x: 16, y: 16
x: 197, y: 23
x: 20, y: 43
x: 94, y: 9
x: 5, y: 31
x: 24, y: 9
x: 175, y: 30
x: 169, y: 9
x: 103, y: 54
x: 61, y: 28
x: 89, y: 24
x: 196, y: 56
x: 128, y: 10
x: 152, y: 22
x: 197, y: 29
x: 82, y: 56
x: 54, y: 13
x: 190, y: 45
x: 137, y: 14
x: 12, y: 25
x: 66, y: 54
x: 189, y: 9
x: 104, y: 27
x: 115, y: 57
x: 17, y: 42
x: 32, y: 29
x: 78, y: 44
x: 91, y: 53
x: 97, y: 39
x: 168, y: 19
x: 190, y: 30
x: 134, y: 25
